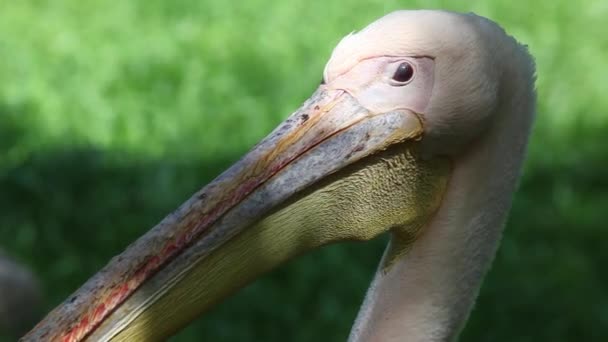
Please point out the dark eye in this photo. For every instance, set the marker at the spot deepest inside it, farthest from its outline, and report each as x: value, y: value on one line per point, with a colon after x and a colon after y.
x: 404, y: 73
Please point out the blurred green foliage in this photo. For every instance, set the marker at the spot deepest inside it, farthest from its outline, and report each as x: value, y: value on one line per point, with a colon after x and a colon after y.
x: 113, y: 113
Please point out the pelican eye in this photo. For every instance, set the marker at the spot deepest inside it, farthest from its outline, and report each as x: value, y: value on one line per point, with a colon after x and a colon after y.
x: 404, y: 73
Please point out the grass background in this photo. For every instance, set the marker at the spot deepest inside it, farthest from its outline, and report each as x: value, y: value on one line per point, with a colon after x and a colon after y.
x: 113, y: 113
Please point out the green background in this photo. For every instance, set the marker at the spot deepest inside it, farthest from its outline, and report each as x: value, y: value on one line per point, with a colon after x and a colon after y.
x: 114, y: 112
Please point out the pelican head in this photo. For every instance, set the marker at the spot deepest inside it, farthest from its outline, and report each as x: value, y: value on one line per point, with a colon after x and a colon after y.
x: 419, y: 129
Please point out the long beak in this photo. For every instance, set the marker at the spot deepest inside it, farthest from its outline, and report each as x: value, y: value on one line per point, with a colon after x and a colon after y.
x: 314, y: 180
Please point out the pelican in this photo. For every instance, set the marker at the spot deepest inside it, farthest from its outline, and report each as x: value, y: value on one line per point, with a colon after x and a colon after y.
x: 419, y: 129
x: 20, y: 298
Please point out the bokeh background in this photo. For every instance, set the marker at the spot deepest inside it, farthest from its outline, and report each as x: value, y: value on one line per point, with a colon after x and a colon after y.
x: 114, y: 112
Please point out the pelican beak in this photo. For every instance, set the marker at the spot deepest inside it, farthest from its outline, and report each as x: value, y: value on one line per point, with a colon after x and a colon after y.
x: 331, y: 171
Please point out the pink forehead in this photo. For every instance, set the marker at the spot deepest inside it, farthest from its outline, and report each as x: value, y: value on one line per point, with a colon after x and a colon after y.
x: 401, y: 33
